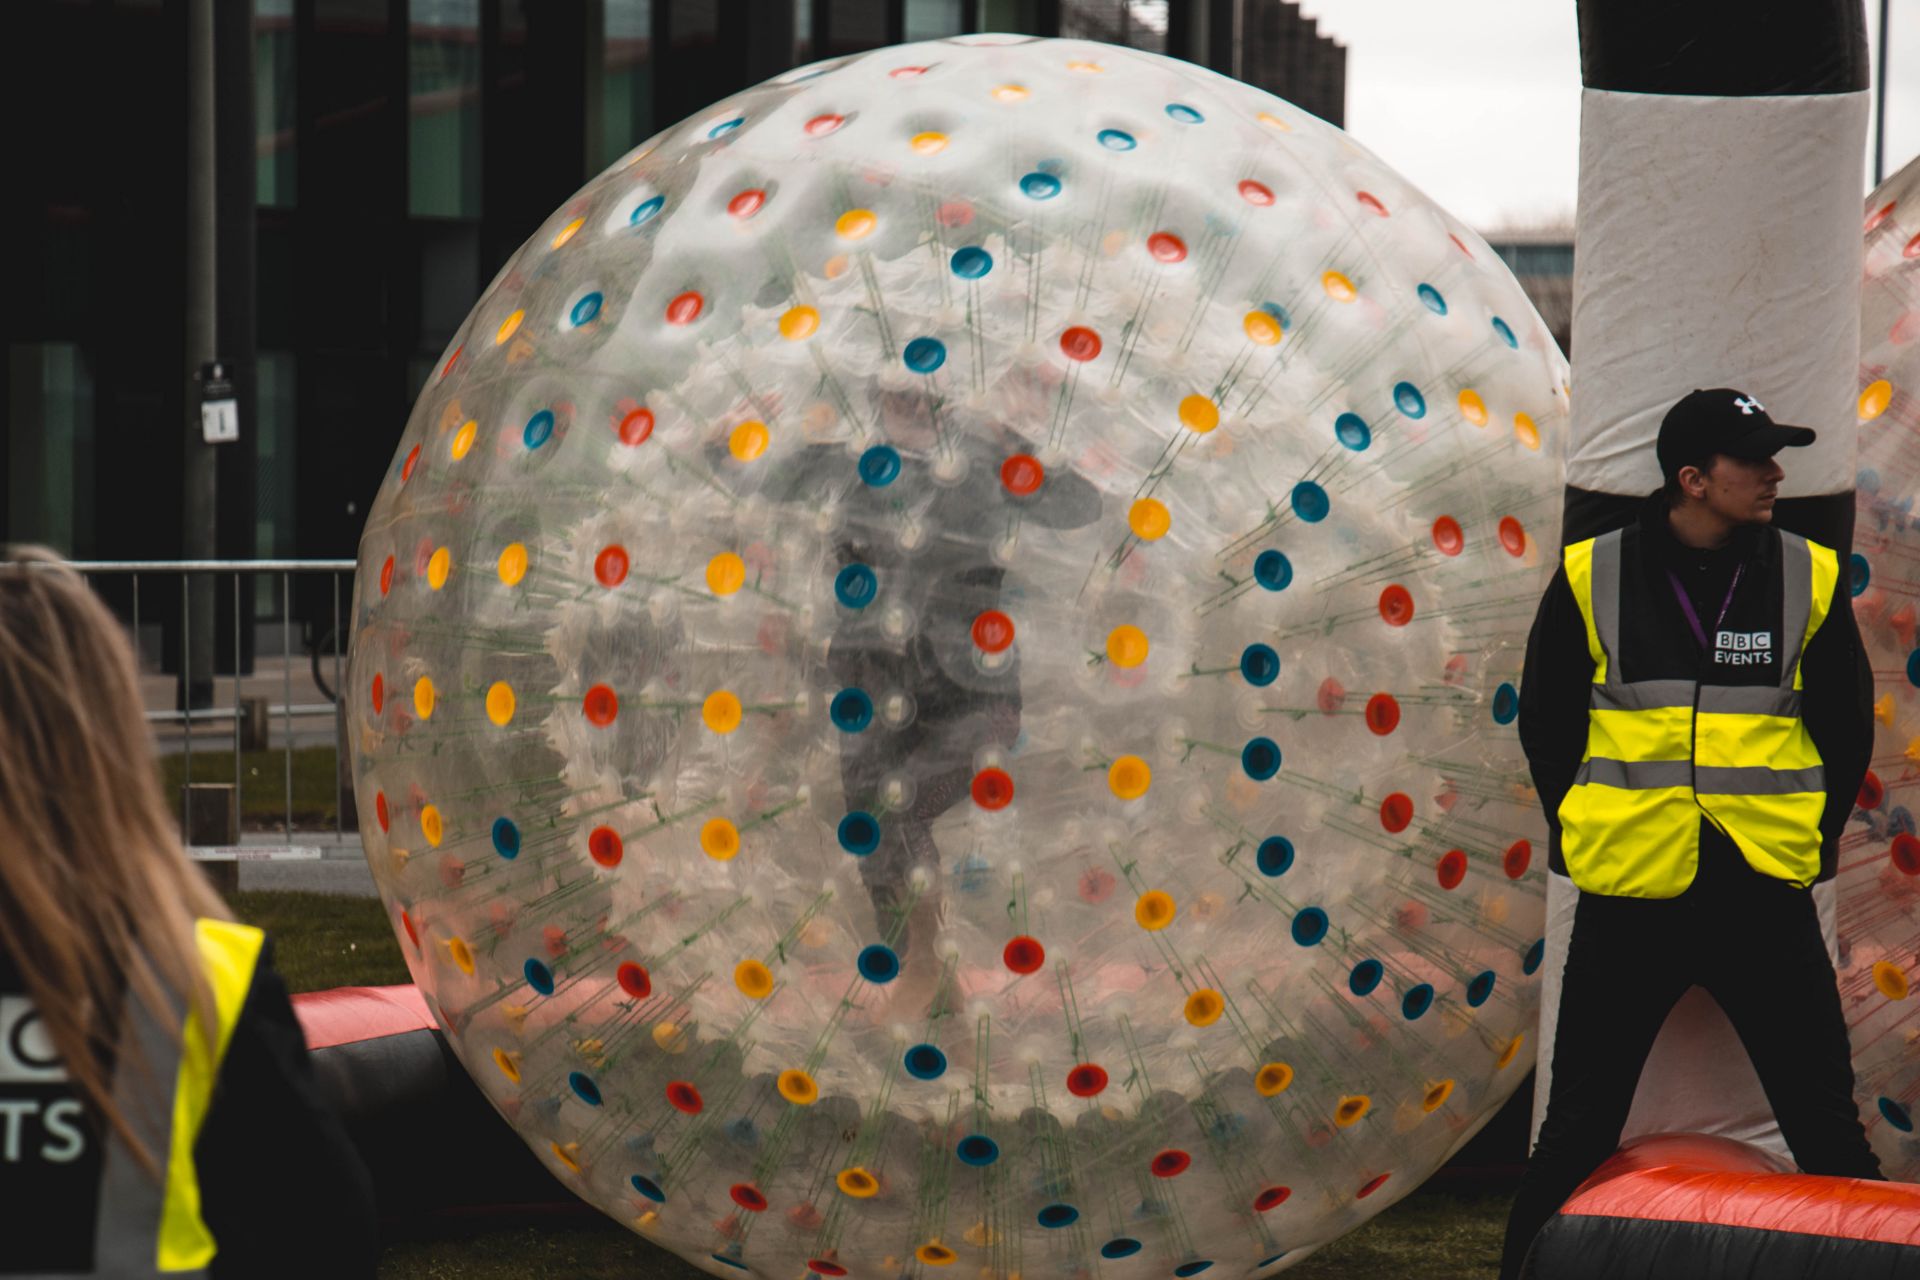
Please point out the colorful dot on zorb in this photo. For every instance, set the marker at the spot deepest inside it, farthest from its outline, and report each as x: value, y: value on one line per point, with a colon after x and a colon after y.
x: 970, y: 576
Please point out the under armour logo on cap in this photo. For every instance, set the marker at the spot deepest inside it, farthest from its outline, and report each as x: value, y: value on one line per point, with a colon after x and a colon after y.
x: 1748, y: 405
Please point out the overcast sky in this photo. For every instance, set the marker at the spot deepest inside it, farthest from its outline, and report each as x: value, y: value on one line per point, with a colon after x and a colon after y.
x: 1478, y: 101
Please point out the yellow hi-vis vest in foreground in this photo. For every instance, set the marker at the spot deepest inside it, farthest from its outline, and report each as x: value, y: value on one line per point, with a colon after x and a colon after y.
x: 1661, y: 754
x: 148, y: 1227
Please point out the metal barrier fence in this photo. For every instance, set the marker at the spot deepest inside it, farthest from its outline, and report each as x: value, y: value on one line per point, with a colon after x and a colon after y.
x: 287, y: 711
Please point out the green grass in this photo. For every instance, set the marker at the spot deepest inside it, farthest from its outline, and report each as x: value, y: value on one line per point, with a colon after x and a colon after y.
x: 263, y: 784
x: 1431, y: 1235
x: 324, y: 940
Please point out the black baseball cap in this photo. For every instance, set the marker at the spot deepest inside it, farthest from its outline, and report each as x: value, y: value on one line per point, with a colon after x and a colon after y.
x: 1703, y: 423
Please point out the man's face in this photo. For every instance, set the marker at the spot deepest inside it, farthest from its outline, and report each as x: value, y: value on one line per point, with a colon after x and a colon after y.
x: 1739, y: 490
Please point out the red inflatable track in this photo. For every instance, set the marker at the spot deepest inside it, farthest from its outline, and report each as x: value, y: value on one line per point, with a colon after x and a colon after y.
x: 1688, y: 1205
x: 347, y: 1015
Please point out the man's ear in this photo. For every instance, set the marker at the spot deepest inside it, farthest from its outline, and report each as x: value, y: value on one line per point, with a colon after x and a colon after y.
x: 1693, y: 481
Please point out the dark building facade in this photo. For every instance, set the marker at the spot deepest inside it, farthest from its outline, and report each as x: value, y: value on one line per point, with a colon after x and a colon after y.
x: 377, y: 161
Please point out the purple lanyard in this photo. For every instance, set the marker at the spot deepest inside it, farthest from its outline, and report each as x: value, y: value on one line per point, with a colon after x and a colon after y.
x: 1693, y: 618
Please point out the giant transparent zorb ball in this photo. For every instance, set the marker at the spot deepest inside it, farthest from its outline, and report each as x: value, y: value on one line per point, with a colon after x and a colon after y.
x: 1879, y: 877
x: 934, y: 675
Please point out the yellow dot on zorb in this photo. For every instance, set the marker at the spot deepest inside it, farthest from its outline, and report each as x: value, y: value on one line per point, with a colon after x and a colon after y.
x: 438, y: 567
x: 720, y: 839
x: 721, y: 711
x: 1129, y: 777
x: 798, y: 323
x: 1127, y: 646
x: 1149, y: 519
x: 748, y: 441
x: 512, y: 565
x: 500, y: 702
x: 1197, y: 413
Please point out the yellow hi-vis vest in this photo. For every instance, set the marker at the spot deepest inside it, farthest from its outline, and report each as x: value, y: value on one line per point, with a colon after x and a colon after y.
x: 147, y: 1227
x: 1661, y: 754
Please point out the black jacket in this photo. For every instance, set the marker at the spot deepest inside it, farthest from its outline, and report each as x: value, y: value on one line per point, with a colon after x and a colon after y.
x: 282, y: 1189
x: 1837, y: 682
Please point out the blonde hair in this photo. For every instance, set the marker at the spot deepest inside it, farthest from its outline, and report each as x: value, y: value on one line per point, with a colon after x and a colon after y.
x: 97, y: 897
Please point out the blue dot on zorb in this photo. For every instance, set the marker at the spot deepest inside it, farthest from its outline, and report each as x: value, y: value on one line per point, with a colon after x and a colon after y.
x: 506, y: 838
x: 859, y: 833
x: 1274, y: 856
x: 1352, y: 431
x: 1896, y: 1115
x: 538, y: 976
x: 725, y: 127
x: 585, y: 310
x: 1193, y: 1268
x: 1120, y: 1247
x: 1055, y: 1216
x: 1859, y: 574
x: 1274, y: 571
x: 1279, y: 313
x: 925, y: 1062
x: 1117, y: 140
x: 1183, y: 113
x: 851, y: 710
x: 1913, y: 668
x: 855, y: 586
x: 539, y: 429
x: 1430, y: 296
x: 971, y: 262
x: 1407, y: 398
x: 1260, y: 758
x: 1259, y: 665
x: 1310, y: 926
x: 1480, y: 990
x: 880, y: 466
x: 1040, y: 186
x: 1365, y: 977
x: 924, y: 355
x: 1506, y: 704
x: 584, y: 1088
x: 648, y: 1188
x: 1417, y: 1001
x: 878, y: 963
x: 645, y: 210
x: 978, y: 1150
x: 1310, y: 502
x: 1505, y: 331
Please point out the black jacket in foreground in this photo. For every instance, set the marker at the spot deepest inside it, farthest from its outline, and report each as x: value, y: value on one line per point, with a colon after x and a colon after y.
x: 281, y: 1187
x: 1556, y: 687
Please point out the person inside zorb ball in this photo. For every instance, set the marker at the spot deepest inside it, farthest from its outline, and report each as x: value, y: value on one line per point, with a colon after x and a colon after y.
x: 934, y: 675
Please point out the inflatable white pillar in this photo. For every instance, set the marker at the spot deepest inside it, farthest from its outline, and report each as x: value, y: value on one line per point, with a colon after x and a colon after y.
x: 1718, y: 245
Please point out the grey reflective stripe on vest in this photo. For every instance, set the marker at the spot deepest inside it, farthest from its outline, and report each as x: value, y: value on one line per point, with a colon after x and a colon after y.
x: 127, y: 1237
x: 1750, y: 699
x: 1796, y: 606
x: 1713, y: 780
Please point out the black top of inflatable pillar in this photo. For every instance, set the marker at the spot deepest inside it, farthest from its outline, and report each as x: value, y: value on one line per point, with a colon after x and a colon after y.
x: 1724, y: 48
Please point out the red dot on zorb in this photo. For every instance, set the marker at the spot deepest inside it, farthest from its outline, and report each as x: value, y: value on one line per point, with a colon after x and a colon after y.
x: 748, y: 1197
x: 380, y: 809
x: 1518, y: 858
x: 1383, y: 714
x: 1166, y: 247
x: 685, y: 308
x: 386, y: 576
x: 1024, y: 954
x: 1906, y: 853
x: 1086, y: 1080
x: 1396, y: 811
x: 1256, y: 192
x: 1170, y: 1164
x: 992, y: 789
x: 636, y: 427
x: 1448, y: 537
x: 610, y: 566
x: 1022, y: 474
x: 821, y: 126
x: 1872, y: 793
x: 634, y: 980
x: 1513, y: 536
x: 1452, y: 869
x: 684, y: 1097
x: 605, y: 846
x: 1080, y: 343
x: 747, y: 203
x: 601, y: 705
x: 993, y: 631
x: 1396, y: 605
x: 1271, y: 1198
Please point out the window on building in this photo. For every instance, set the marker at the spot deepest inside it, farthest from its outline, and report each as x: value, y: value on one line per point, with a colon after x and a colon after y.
x: 1537, y: 259
x: 932, y: 19
x: 273, y: 102
x: 1009, y: 15
x: 50, y: 447
x: 853, y: 25
x: 626, y: 83
x: 443, y: 108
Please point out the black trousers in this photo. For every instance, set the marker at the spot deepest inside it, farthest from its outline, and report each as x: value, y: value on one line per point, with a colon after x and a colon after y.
x: 1754, y: 943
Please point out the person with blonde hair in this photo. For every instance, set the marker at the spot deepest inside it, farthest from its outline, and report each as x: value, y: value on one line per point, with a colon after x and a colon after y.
x: 157, y: 1108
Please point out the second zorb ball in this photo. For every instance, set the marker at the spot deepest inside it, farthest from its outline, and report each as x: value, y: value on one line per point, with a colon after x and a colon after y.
x: 935, y: 675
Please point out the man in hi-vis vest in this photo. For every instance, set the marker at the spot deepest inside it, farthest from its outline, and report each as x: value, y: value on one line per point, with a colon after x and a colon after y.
x: 1696, y: 710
